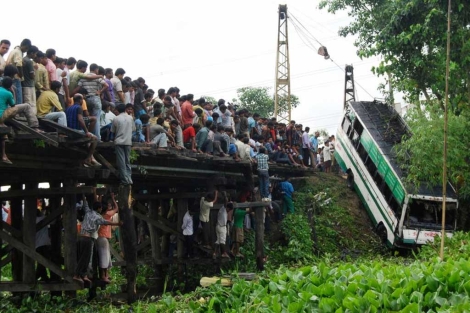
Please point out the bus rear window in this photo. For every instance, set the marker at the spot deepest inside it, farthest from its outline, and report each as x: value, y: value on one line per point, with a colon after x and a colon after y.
x: 426, y: 214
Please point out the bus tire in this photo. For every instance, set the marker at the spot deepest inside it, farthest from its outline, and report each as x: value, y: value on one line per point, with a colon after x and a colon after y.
x: 381, y: 231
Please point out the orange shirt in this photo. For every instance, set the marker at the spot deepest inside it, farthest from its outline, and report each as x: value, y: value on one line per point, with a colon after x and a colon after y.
x: 105, y: 230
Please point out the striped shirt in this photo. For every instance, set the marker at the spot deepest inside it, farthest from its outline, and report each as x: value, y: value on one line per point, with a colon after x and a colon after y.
x: 91, y: 222
x: 72, y: 116
x: 92, y: 86
x: 262, y: 160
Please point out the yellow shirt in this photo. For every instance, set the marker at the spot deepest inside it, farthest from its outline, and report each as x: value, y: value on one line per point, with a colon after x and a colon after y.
x: 41, y: 78
x: 47, y: 101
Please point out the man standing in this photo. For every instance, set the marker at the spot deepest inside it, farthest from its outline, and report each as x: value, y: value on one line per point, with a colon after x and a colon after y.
x: 41, y: 81
x: 206, y: 204
x: 288, y: 193
x: 306, y: 145
x: 187, y: 111
x: 16, y: 59
x: 314, y: 146
x: 221, y: 230
x: 29, y: 92
x: 117, y: 86
x: 188, y: 231
x: 122, y: 127
x: 4, y: 47
x: 263, y: 173
x: 95, y: 88
x: 50, y: 66
x: 49, y: 106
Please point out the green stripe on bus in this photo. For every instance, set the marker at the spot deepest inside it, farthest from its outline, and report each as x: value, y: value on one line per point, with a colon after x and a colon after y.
x: 358, y: 192
x: 365, y: 184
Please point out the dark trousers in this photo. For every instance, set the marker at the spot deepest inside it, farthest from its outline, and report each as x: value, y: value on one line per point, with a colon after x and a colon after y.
x: 208, y: 146
x: 123, y: 164
x: 41, y: 271
x: 84, y: 251
x: 263, y: 176
x: 205, y: 232
x: 306, y: 155
x: 188, y: 241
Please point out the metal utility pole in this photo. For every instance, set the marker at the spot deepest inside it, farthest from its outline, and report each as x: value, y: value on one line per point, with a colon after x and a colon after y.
x: 282, y: 90
x: 444, y: 163
x: 349, y: 90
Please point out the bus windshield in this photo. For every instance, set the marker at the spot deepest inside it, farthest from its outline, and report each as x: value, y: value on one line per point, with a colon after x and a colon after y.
x: 427, y: 214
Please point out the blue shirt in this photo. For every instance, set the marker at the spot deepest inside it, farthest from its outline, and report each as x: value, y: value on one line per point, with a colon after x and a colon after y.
x: 287, y: 188
x: 251, y: 123
x: 6, y: 100
x: 72, y: 116
x: 137, y: 135
x: 314, y: 142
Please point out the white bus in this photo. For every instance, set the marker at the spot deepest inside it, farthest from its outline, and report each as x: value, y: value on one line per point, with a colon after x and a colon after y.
x: 365, y: 146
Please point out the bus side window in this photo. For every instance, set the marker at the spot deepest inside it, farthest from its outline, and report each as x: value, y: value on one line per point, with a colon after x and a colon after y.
x: 362, y: 152
x: 347, y: 127
x: 354, y: 139
x: 358, y: 127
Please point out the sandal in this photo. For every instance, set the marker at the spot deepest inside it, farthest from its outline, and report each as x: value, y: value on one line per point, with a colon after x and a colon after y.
x: 7, y: 161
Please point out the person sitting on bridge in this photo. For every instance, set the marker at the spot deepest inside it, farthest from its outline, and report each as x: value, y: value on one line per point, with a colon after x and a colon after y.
x: 189, y: 137
x: 203, y: 143
x: 49, y: 106
x: 9, y: 110
x: 75, y: 121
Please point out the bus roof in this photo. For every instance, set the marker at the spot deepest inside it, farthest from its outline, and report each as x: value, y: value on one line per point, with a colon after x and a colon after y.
x: 387, y: 128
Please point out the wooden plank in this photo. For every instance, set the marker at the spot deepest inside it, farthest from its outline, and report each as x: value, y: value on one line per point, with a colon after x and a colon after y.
x: 39, y: 286
x: 157, y: 224
x: 16, y: 213
x: 176, y: 195
x: 50, y: 218
x: 13, y: 231
x: 72, y: 133
x: 32, y: 131
x: 116, y: 254
x: 36, y: 256
x: 105, y: 162
x: 44, y: 192
x: 143, y: 245
x: 5, y: 261
x: 251, y: 204
x: 5, y: 250
x: 5, y: 130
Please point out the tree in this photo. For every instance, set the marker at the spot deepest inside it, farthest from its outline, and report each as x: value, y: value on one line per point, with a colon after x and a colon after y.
x: 422, y: 152
x: 259, y: 100
x: 410, y: 36
x: 210, y: 99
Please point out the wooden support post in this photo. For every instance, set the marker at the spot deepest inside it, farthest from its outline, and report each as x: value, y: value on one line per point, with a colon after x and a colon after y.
x: 70, y: 235
x: 56, y: 234
x: 182, y: 205
x: 29, y: 235
x: 165, y: 204
x: 259, y: 237
x: 16, y: 213
x: 129, y: 239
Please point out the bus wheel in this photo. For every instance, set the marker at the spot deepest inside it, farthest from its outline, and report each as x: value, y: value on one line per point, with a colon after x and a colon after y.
x: 382, y: 233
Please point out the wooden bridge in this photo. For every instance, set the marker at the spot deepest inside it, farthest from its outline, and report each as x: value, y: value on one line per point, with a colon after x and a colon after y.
x: 160, y: 177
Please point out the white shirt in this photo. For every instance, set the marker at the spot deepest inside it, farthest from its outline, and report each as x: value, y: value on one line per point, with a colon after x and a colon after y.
x: 326, y: 154
x: 306, y: 141
x: 42, y: 236
x: 222, y: 217
x: 187, y: 226
x: 60, y: 78
x: 205, y: 210
x: 4, y: 215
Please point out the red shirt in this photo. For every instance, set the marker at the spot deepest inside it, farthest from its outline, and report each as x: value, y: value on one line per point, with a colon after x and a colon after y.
x: 188, y: 133
x: 187, y: 113
x: 105, y: 230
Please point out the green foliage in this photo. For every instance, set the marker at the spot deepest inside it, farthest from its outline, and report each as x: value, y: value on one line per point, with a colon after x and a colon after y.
x: 366, y: 286
x: 210, y: 99
x: 426, y: 149
x: 259, y: 100
x: 297, y: 231
x: 39, y: 143
x: 133, y: 156
x: 411, y: 38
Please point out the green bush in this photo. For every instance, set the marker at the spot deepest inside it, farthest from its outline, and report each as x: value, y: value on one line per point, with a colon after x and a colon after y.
x: 297, y: 231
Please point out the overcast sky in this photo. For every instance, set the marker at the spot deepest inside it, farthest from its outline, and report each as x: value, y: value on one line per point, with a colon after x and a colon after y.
x: 207, y: 47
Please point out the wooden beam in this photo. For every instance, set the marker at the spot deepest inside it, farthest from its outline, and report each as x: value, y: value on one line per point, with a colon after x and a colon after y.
x: 29, y: 130
x: 250, y: 204
x: 5, y: 261
x: 143, y: 245
x: 44, y: 192
x: 105, y: 162
x: 39, y: 286
x: 16, y: 214
x: 116, y: 254
x: 72, y: 133
x: 176, y: 195
x: 36, y: 256
x: 157, y: 224
x: 69, y: 222
x: 50, y: 218
x: 13, y: 231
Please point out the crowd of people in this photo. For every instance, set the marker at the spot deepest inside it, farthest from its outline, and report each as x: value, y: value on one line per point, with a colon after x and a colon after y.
x: 106, y: 105
x: 40, y: 84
